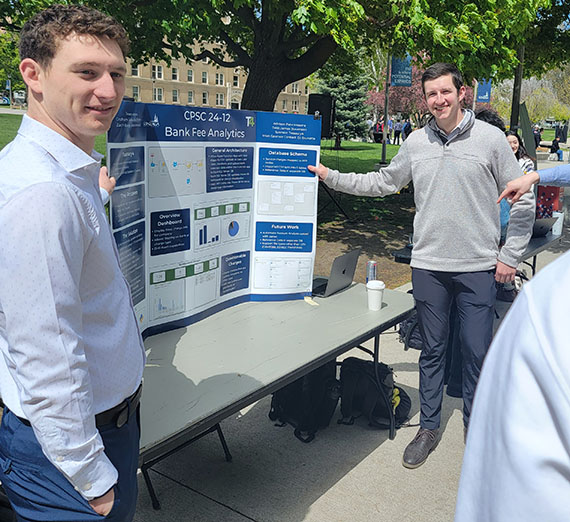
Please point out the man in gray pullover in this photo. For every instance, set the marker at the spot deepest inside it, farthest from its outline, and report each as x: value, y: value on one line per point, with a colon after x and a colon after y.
x: 459, y: 166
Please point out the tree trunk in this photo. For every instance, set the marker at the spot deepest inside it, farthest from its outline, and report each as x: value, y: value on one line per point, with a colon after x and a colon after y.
x: 517, y: 90
x: 264, y: 83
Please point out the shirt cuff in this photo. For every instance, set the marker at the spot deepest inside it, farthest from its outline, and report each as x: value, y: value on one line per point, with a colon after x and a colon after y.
x: 95, y: 479
x: 104, y: 195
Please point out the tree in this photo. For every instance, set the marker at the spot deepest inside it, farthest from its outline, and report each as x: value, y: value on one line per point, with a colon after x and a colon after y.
x: 559, y: 80
x: 281, y: 41
x: 547, y: 39
x: 539, y: 95
x: 9, y: 61
x: 544, y: 47
x: 346, y: 84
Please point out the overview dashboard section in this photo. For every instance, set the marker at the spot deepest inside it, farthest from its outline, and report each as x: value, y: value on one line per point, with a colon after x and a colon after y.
x: 212, y: 208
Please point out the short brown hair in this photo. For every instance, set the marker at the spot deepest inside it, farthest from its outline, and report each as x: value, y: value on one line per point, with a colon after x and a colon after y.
x: 442, y: 69
x: 41, y: 35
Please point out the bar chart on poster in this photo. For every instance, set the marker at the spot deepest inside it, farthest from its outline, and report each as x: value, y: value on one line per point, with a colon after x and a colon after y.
x: 212, y: 208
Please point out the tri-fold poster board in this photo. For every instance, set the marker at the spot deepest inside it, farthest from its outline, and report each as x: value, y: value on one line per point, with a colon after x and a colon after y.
x: 213, y: 207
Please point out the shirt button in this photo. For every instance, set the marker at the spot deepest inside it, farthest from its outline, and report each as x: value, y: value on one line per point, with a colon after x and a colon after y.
x: 87, y: 486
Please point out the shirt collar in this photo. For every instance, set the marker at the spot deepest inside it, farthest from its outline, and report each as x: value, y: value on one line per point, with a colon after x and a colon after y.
x: 459, y: 127
x: 70, y: 156
x: 466, y: 121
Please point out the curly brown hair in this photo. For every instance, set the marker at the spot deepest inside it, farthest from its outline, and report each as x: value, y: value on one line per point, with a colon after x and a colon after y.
x: 41, y: 34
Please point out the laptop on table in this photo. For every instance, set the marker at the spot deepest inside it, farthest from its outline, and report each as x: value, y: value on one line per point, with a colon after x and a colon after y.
x: 542, y: 226
x: 342, y: 273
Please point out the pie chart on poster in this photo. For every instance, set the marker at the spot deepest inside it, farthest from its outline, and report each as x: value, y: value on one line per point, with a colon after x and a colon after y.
x: 233, y: 228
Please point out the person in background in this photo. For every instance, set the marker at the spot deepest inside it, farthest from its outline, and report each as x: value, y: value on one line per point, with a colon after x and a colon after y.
x: 536, y: 132
x: 516, y: 464
x: 456, y: 236
x: 406, y: 129
x: 72, y: 355
x: 397, y: 132
x: 525, y: 161
x: 555, y: 148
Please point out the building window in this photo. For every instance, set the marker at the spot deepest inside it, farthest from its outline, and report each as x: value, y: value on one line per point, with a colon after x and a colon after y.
x: 220, y: 99
x: 295, y: 105
x: 205, y: 60
x: 306, y: 89
x: 284, y: 105
x: 204, y: 98
x: 295, y: 88
x: 157, y: 72
x: 190, y: 97
x: 235, y: 83
x: 175, y: 73
x: 306, y: 107
x: 134, y: 70
x: 136, y: 92
x: 219, y: 78
x: 284, y: 89
x: 174, y: 95
x: 157, y: 94
x: 190, y: 75
x: 204, y: 77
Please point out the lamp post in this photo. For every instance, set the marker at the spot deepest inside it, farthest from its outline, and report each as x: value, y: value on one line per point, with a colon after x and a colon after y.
x: 383, y: 161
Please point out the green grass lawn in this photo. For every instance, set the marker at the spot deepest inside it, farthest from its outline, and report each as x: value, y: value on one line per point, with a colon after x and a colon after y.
x: 548, y: 134
x: 9, y: 124
x: 354, y: 156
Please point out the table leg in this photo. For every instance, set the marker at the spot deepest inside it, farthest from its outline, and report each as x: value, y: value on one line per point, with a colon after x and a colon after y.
x: 150, y: 488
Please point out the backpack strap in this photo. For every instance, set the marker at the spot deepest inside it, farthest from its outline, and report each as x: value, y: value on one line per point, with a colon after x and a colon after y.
x: 348, y: 377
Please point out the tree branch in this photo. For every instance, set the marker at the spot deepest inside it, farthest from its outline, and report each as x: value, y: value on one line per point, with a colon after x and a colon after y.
x: 314, y: 58
x: 299, y: 44
x: 236, y: 49
x: 216, y: 59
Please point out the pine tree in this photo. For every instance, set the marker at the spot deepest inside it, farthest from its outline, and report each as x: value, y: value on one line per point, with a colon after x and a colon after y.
x: 349, y: 94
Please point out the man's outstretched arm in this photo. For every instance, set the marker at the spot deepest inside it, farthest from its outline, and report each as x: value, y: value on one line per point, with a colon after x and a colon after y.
x: 519, y: 186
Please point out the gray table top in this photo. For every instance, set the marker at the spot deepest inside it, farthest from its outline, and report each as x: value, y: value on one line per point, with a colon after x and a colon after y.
x: 240, y: 354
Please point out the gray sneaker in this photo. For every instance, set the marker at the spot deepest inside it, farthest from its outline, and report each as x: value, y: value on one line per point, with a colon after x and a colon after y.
x: 418, y: 450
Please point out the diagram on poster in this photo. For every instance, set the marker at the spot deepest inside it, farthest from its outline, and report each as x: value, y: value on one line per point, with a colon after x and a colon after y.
x: 212, y: 208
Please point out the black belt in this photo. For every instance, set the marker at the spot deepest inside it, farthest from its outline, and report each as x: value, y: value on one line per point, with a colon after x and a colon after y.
x: 118, y: 415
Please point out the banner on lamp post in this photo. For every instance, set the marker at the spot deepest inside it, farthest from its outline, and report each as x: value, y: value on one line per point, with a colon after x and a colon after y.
x: 484, y: 91
x: 401, y: 72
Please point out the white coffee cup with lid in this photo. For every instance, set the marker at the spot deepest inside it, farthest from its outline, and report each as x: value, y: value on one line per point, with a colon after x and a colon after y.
x: 375, y: 291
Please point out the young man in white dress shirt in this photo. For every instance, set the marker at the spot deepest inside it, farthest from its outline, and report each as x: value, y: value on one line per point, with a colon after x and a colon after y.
x: 72, y: 356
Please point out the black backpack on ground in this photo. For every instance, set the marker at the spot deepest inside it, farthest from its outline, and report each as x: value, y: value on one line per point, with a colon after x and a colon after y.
x: 308, y: 403
x: 361, y: 394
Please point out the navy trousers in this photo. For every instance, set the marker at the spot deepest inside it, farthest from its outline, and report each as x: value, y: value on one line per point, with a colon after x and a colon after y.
x: 474, y: 294
x: 38, y: 491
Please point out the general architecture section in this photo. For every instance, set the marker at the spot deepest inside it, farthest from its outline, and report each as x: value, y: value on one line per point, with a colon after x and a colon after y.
x: 203, y: 83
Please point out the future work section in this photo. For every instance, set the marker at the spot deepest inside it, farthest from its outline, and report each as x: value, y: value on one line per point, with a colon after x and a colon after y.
x: 212, y: 208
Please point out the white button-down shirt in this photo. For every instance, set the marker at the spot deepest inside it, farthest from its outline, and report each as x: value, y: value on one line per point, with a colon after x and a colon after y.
x: 68, y: 334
